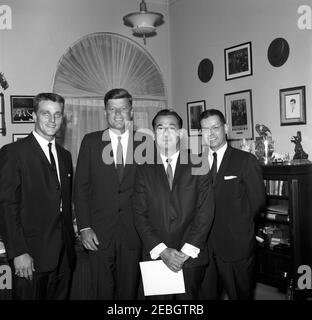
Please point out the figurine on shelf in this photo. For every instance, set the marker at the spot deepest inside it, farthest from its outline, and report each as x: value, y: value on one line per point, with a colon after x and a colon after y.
x: 264, y: 145
x: 299, y: 153
x: 263, y: 130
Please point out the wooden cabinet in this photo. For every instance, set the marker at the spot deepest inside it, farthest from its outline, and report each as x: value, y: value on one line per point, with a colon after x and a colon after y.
x: 284, y: 229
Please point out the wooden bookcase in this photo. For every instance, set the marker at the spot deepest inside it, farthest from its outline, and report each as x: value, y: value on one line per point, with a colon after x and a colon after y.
x: 286, y: 225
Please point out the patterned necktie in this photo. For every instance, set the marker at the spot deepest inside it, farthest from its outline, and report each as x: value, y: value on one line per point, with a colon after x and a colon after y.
x: 52, y: 162
x: 214, y: 167
x: 119, y: 163
x: 169, y: 173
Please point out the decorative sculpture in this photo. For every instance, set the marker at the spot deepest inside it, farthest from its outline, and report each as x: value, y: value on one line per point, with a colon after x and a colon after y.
x: 299, y: 153
x: 264, y: 145
x: 263, y: 130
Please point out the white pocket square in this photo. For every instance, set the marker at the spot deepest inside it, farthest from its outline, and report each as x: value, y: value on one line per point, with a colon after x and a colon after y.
x: 230, y: 177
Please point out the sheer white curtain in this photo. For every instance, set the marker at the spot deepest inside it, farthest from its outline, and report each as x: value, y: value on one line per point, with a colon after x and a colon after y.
x: 101, y: 61
x: 95, y: 64
x: 81, y: 116
x: 86, y: 115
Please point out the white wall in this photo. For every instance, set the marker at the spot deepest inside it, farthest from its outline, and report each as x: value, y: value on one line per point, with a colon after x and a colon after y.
x: 204, y: 28
x: 44, y: 29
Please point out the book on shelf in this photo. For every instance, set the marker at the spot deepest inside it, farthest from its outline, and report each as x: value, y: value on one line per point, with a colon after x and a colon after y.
x: 2, y: 249
x: 276, y: 187
x: 275, y: 217
x: 279, y: 208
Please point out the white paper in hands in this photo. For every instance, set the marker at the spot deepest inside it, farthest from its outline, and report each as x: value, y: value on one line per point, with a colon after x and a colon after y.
x: 158, y: 279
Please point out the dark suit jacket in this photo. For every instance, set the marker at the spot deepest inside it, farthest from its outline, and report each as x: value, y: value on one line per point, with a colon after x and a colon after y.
x: 240, y: 196
x: 183, y: 214
x: 30, y: 218
x: 101, y: 202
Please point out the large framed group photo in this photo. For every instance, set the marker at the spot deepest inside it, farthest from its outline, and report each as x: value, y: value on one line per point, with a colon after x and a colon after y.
x: 22, y: 108
x: 238, y: 113
x: 238, y: 61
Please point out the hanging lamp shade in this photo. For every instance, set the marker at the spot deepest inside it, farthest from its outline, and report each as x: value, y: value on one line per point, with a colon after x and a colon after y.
x: 144, y: 22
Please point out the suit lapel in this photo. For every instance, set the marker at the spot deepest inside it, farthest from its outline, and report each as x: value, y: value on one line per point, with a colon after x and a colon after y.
x: 178, y: 172
x: 224, y: 164
x: 36, y: 147
x: 61, y: 163
x: 160, y: 170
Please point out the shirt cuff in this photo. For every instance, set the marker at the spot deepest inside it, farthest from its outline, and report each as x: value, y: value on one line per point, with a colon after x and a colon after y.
x: 156, y: 251
x: 190, y: 250
x: 84, y: 229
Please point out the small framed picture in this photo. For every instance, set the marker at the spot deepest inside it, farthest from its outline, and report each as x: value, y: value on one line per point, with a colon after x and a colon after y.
x: 22, y: 108
x: 238, y: 61
x: 18, y: 136
x: 293, y: 106
x: 194, y: 109
x: 238, y: 113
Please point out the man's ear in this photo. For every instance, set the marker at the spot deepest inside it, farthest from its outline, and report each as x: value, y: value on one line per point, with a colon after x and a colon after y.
x: 34, y: 115
x: 226, y: 128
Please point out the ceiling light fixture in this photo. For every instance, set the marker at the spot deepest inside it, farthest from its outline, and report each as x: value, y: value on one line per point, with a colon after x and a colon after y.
x: 143, y: 23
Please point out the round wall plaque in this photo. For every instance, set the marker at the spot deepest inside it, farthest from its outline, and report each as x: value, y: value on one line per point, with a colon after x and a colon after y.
x: 205, y: 70
x: 278, y: 52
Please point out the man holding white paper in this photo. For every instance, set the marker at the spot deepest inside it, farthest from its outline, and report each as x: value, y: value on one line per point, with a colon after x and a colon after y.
x: 173, y: 207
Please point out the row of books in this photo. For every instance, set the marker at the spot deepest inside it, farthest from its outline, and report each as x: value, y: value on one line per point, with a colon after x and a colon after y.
x: 276, y: 187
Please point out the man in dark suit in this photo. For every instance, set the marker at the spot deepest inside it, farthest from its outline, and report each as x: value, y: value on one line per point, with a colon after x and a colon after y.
x: 35, y: 206
x: 239, y: 196
x: 174, y: 207
x: 102, y: 196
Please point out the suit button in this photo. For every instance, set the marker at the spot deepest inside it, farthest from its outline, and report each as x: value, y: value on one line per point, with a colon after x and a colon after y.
x: 119, y: 191
x: 172, y: 218
x: 119, y: 210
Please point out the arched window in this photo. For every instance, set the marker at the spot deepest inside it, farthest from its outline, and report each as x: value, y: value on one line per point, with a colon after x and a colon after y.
x: 95, y: 64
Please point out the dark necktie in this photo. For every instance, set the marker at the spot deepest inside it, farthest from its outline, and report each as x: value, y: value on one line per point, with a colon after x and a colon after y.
x: 214, y: 167
x: 52, y: 162
x: 119, y: 163
x: 169, y: 173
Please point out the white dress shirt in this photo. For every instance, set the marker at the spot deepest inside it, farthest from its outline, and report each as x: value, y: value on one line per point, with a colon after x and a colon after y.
x: 45, y: 148
x: 124, y: 142
x: 187, y: 248
x: 220, y: 154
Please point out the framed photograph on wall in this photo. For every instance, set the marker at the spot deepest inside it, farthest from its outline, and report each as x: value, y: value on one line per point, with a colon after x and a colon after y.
x: 22, y: 108
x: 238, y: 61
x: 293, y: 106
x: 18, y: 136
x: 194, y: 109
x: 238, y: 113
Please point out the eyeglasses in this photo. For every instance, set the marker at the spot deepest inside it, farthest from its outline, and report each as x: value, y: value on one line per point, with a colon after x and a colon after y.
x: 213, y: 129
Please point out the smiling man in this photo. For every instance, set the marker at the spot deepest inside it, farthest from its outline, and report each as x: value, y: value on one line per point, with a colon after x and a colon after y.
x: 35, y: 206
x: 102, y: 196
x: 239, y: 196
x: 173, y: 208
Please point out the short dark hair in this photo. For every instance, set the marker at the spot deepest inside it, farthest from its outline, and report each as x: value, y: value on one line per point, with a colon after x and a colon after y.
x: 117, y: 93
x: 47, y: 96
x: 168, y: 112
x: 212, y: 112
x: 292, y: 100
